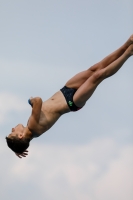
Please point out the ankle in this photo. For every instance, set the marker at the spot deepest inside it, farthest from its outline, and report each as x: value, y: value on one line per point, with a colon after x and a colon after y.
x: 129, y: 50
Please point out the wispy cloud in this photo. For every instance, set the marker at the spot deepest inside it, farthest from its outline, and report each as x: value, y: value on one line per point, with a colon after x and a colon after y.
x: 10, y: 102
x: 97, y: 170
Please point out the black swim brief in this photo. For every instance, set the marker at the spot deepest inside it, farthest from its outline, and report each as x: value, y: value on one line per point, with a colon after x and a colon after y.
x: 68, y: 94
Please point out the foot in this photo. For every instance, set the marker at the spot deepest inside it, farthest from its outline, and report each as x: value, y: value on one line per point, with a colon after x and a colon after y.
x: 130, y: 40
x: 130, y: 50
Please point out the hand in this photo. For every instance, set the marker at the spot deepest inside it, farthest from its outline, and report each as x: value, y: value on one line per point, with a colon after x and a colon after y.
x: 29, y: 101
x: 24, y: 154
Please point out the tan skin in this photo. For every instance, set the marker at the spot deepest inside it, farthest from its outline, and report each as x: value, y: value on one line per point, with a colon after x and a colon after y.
x: 45, y: 114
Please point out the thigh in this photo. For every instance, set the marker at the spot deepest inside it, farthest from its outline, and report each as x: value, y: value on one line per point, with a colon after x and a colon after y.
x: 79, y: 79
x: 86, y: 90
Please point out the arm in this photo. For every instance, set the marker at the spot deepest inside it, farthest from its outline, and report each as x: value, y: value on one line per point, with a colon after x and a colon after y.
x: 33, y: 122
x: 36, y: 104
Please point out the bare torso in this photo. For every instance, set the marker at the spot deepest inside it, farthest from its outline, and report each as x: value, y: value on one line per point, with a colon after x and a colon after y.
x: 51, y: 111
x: 53, y: 108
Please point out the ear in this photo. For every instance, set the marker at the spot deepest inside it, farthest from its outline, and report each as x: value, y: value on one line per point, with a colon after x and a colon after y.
x: 20, y: 135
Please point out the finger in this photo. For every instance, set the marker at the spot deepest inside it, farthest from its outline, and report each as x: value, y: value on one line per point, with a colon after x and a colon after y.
x: 24, y: 154
x: 19, y: 156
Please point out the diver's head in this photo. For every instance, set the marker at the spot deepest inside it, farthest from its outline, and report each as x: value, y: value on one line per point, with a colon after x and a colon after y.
x: 18, y: 140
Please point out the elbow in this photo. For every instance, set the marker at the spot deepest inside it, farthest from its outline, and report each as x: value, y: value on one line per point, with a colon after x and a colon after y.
x: 36, y: 100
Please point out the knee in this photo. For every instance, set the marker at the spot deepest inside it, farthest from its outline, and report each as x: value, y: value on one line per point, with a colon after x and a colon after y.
x: 96, y: 67
x: 99, y: 76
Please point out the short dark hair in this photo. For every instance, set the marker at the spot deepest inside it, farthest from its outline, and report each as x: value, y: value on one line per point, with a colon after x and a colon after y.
x: 17, y: 145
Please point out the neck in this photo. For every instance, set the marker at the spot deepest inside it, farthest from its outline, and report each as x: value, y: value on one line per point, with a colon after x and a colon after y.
x: 28, y: 134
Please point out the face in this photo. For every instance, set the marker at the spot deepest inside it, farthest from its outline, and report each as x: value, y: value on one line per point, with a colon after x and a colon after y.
x: 17, y: 131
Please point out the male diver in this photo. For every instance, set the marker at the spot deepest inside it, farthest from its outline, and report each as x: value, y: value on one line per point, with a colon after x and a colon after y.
x: 72, y: 97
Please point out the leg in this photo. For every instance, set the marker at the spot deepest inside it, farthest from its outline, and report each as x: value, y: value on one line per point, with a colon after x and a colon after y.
x: 87, y: 88
x: 80, y: 78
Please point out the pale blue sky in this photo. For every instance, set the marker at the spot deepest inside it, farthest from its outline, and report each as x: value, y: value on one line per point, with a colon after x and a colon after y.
x: 85, y: 155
